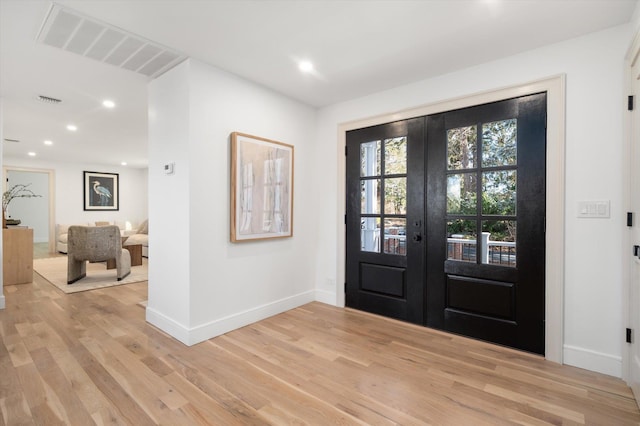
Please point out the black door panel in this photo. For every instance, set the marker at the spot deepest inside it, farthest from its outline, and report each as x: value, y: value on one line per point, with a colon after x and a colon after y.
x: 462, y: 248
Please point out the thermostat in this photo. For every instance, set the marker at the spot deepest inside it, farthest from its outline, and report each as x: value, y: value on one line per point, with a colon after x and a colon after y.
x: 168, y: 168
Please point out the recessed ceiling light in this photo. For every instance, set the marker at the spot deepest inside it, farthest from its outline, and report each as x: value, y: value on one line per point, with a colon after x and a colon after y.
x: 124, y: 163
x: 72, y: 127
x: 31, y: 154
x: 108, y: 103
x: 47, y: 142
x: 305, y: 66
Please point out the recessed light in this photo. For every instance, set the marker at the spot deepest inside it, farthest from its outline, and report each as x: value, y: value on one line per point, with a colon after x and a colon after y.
x: 124, y: 163
x: 31, y: 154
x: 72, y: 127
x: 305, y: 66
x: 108, y: 103
x: 47, y: 142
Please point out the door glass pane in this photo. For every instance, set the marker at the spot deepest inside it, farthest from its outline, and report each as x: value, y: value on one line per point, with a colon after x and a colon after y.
x: 370, y: 234
x: 462, y: 148
x: 461, y: 240
x: 499, y: 192
x: 499, y: 242
x: 395, y: 156
x: 461, y: 193
x: 395, y: 195
x: 499, y: 140
x: 370, y: 159
x: 395, y: 236
x: 370, y: 196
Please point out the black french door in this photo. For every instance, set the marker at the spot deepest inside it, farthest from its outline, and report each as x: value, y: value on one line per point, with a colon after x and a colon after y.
x: 385, y: 222
x: 454, y: 237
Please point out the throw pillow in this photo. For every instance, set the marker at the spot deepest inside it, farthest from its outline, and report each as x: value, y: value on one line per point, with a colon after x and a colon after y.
x: 143, y: 228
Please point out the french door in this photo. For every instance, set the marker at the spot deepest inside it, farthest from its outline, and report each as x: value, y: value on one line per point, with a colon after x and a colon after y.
x: 385, y: 222
x: 465, y: 251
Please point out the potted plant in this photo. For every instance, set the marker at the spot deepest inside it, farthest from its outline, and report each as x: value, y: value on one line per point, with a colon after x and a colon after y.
x: 16, y: 191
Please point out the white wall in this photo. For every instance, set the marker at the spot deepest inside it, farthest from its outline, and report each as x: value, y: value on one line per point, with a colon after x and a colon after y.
x: 594, y: 149
x: 34, y: 211
x: 194, y: 109
x: 69, y: 204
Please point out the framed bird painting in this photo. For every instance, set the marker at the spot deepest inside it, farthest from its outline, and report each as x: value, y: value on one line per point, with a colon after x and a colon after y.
x: 101, y: 191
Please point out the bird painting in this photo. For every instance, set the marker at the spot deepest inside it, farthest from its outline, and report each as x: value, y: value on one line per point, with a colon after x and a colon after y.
x: 102, y: 192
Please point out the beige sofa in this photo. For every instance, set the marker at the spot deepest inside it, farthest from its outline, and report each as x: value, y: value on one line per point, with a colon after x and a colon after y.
x: 139, y: 235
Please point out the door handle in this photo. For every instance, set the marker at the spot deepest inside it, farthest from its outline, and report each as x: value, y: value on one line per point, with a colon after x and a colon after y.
x: 417, y: 237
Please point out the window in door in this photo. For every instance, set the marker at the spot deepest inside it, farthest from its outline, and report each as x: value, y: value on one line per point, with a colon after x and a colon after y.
x: 481, y: 193
x: 383, y: 199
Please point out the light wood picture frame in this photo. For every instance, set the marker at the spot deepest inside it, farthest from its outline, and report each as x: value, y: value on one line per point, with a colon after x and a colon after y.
x: 261, y: 188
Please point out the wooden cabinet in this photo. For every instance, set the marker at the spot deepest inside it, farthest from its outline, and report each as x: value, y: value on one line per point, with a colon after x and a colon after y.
x: 17, y: 256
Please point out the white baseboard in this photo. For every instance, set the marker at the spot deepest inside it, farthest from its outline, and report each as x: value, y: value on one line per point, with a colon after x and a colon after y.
x: 2, y: 302
x: 232, y: 322
x: 229, y: 323
x: 592, y: 360
x: 327, y: 297
x: 167, y: 325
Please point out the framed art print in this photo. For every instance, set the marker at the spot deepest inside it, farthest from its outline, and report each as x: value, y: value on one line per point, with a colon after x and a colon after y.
x: 101, y: 191
x: 261, y: 188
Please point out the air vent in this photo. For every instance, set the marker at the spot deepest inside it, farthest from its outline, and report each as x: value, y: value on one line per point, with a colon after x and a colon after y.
x: 48, y: 100
x: 11, y: 140
x: 69, y: 30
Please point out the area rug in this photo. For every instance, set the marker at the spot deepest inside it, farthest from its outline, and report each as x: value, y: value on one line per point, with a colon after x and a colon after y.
x: 54, y: 270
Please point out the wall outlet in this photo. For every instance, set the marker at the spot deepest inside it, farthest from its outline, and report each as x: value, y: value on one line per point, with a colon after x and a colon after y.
x: 169, y: 168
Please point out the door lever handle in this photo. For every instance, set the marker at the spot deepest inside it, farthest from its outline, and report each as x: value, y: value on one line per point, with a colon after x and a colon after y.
x: 417, y: 237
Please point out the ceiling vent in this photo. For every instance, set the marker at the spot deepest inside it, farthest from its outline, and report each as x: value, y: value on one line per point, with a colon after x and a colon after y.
x: 48, y: 100
x: 69, y: 30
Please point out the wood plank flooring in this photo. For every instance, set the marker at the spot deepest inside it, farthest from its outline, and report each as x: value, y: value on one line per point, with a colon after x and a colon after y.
x: 90, y: 358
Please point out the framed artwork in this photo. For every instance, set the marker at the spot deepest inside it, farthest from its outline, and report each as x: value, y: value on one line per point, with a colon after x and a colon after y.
x: 101, y: 191
x: 261, y: 188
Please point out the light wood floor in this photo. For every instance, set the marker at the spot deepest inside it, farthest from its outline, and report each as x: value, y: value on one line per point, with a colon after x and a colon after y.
x: 90, y: 358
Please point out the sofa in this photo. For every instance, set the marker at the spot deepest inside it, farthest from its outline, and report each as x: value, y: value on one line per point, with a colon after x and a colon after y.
x: 139, y: 235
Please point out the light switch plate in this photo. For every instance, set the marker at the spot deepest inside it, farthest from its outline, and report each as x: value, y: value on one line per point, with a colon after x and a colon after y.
x: 594, y: 209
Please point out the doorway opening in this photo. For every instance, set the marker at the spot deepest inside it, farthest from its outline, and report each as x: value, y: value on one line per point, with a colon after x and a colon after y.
x: 36, y: 213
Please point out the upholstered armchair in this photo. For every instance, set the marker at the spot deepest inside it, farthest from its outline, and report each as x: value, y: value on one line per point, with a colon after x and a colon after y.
x: 95, y: 244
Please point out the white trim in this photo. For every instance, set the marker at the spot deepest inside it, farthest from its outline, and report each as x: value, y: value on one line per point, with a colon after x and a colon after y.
x: 168, y: 325
x: 2, y: 301
x: 194, y: 335
x: 592, y: 360
x: 324, y: 296
x: 555, y: 88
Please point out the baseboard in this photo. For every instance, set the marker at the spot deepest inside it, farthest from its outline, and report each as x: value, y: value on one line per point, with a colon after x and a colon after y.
x: 167, y: 325
x: 2, y: 302
x: 592, y: 360
x: 327, y: 297
x: 232, y: 322
x: 224, y: 325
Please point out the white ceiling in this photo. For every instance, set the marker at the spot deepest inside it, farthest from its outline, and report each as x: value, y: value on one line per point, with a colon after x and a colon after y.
x: 358, y: 47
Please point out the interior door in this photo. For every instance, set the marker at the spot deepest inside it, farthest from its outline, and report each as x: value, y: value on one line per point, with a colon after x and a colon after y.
x: 486, y: 222
x: 385, y: 221
x: 634, y: 276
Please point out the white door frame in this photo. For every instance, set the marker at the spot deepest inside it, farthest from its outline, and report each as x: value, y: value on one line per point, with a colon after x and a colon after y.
x: 52, y: 197
x: 555, y: 214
